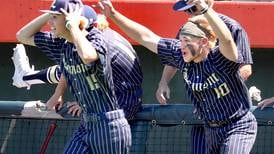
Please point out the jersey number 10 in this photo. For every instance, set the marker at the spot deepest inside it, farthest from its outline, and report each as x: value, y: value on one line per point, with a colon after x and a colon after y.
x: 222, y: 90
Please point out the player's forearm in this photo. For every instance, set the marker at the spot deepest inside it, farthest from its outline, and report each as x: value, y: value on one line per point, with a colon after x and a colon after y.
x: 271, y: 99
x: 61, y: 87
x: 26, y: 34
x: 168, y: 74
x: 226, y: 42
x: 85, y: 49
x: 136, y: 31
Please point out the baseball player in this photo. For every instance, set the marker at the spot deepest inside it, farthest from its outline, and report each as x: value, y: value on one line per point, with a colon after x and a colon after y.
x: 238, y: 34
x: 211, y: 76
x: 86, y: 70
x: 126, y: 69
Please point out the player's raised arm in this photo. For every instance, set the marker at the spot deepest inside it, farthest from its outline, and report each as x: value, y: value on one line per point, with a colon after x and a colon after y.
x: 26, y: 34
x: 84, y: 48
x: 136, y: 31
x: 226, y: 42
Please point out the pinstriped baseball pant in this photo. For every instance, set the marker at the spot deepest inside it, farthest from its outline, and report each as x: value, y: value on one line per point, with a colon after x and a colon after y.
x: 198, y: 139
x: 111, y: 136
x: 130, y: 101
x: 234, y: 138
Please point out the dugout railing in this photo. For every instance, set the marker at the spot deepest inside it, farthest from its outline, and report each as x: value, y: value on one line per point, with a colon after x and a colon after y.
x: 157, y: 129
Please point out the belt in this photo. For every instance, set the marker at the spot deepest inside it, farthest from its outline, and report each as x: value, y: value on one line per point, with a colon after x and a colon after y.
x: 217, y: 123
x: 92, y: 117
x: 223, y: 123
x: 106, y: 116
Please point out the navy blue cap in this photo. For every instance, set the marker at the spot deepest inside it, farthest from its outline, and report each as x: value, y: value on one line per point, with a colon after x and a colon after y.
x: 182, y: 5
x: 90, y: 14
x: 64, y: 4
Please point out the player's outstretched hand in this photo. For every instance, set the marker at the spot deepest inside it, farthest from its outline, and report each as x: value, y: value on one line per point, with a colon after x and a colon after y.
x: 266, y: 102
x: 201, y: 5
x: 106, y: 7
x: 73, y: 16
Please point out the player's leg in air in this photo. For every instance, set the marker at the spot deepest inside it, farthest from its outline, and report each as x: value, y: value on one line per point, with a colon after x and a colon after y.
x: 25, y: 76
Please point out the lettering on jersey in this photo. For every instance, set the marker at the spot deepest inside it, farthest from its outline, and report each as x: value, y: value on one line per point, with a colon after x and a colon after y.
x: 75, y: 69
x: 211, y: 81
x: 185, y: 76
x: 80, y: 69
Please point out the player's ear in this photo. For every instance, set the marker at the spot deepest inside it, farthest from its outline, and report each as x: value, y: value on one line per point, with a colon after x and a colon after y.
x: 204, y: 41
x: 83, y: 23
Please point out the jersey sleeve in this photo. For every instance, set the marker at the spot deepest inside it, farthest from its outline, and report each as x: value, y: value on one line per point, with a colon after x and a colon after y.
x: 241, y: 39
x: 169, y: 52
x: 97, y: 40
x: 222, y: 63
x: 50, y: 45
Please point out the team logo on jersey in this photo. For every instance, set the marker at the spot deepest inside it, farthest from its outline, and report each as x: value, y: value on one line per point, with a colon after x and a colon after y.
x: 75, y: 69
x: 82, y: 69
x: 211, y: 82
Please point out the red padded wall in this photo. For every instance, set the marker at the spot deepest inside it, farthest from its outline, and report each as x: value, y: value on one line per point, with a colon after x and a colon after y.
x: 256, y: 17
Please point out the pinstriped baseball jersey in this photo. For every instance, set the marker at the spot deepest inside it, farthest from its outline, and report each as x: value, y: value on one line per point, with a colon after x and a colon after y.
x: 126, y: 69
x: 213, y: 83
x: 124, y: 60
x: 240, y: 37
x: 127, y: 72
x: 241, y: 40
x: 49, y: 44
x: 105, y: 130
x: 105, y: 141
x: 91, y: 83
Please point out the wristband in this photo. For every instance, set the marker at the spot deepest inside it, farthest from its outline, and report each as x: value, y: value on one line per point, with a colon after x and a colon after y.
x: 67, y: 24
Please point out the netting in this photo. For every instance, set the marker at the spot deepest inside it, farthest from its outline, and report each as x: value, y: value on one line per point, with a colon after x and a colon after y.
x: 27, y: 135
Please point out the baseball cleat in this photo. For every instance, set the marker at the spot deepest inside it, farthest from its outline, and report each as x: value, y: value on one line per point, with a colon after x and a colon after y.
x: 21, y: 65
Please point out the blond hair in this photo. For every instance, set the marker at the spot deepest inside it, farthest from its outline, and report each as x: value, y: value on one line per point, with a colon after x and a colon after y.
x: 102, y: 22
x: 203, y: 24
